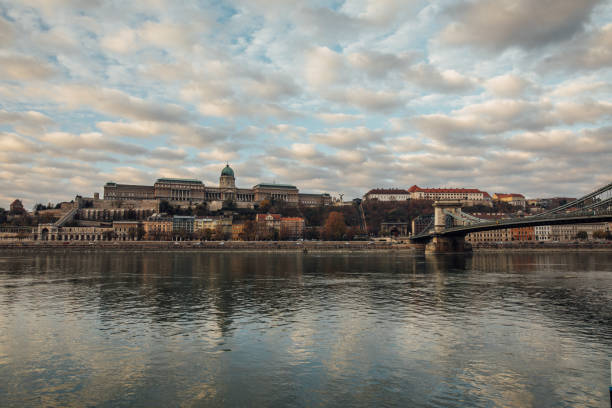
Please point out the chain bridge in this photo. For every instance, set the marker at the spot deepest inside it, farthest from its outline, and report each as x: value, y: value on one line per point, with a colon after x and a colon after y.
x: 447, y: 230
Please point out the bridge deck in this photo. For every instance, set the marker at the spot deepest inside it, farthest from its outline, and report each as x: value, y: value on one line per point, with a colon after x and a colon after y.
x: 515, y: 223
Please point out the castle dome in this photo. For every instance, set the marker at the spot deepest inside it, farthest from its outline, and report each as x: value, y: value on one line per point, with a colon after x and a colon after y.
x: 227, y: 171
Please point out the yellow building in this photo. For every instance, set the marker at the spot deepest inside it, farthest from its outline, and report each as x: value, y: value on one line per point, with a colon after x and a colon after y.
x: 157, y: 229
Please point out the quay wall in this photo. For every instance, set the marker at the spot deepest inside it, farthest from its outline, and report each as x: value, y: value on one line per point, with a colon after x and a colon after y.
x: 208, y: 245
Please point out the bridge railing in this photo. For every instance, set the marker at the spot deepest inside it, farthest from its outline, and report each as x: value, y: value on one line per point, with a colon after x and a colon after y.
x: 577, y: 203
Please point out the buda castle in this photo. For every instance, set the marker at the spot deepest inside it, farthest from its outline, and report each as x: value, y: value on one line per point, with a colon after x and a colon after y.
x: 185, y: 192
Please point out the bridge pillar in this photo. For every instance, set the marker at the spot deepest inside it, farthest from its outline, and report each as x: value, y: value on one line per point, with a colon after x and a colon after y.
x: 442, y: 243
x: 451, y: 206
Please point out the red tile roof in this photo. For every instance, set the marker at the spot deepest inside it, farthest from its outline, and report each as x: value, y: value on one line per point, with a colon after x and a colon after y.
x: 387, y: 191
x: 262, y: 217
x: 445, y: 190
x: 510, y: 195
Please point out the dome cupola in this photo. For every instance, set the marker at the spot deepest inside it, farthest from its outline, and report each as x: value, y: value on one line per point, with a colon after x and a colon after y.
x: 227, y: 179
x: 227, y: 171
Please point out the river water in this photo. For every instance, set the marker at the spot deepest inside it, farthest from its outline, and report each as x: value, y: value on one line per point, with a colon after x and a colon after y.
x: 292, y: 329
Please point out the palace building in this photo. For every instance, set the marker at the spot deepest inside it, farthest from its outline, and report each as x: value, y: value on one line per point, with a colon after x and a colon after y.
x: 188, y: 191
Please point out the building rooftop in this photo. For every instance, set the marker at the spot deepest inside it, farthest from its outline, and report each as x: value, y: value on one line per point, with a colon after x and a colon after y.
x: 178, y: 180
x: 262, y: 217
x: 271, y: 185
x: 444, y: 190
x: 227, y: 171
x: 388, y: 191
x: 509, y: 195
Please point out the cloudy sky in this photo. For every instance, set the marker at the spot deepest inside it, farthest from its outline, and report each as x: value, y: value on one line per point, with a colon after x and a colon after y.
x: 332, y: 96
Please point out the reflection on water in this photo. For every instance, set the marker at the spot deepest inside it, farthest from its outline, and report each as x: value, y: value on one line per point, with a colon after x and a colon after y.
x: 256, y: 329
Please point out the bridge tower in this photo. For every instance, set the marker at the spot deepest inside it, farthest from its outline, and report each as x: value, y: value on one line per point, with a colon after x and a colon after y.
x: 443, y: 243
x: 442, y: 209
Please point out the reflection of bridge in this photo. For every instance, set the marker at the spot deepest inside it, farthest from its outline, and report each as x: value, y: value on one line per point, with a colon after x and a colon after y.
x: 449, y: 226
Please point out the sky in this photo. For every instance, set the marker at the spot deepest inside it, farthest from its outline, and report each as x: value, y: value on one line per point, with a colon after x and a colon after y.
x: 331, y: 96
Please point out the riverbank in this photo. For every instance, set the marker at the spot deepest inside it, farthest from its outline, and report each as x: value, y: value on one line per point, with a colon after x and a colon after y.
x: 304, y: 246
x: 294, y: 246
x: 543, y: 246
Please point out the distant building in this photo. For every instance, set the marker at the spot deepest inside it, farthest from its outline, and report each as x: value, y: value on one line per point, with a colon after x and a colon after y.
x: 114, y: 191
x: 468, y: 196
x: 50, y: 232
x: 568, y: 232
x: 126, y: 230
x: 189, y: 191
x: 237, y: 231
x: 266, y: 225
x: 314, y: 200
x: 157, y: 229
x: 394, y: 228
x: 269, y: 226
x: 292, y: 227
x: 514, y: 199
x: 387, y: 194
x: 182, y: 223
x: 523, y: 234
x: 171, y: 189
x: 500, y: 235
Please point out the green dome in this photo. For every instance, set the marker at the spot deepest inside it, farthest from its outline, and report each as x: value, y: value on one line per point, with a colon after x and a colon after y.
x: 227, y: 171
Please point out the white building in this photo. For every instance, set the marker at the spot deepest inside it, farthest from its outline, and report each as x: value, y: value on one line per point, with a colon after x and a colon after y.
x: 564, y: 233
x: 387, y: 194
x: 469, y: 196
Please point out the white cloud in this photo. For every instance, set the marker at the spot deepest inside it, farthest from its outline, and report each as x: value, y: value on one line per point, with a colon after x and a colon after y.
x: 122, y: 41
x: 114, y: 102
x: 69, y: 142
x: 508, y: 85
x: 391, y: 92
x: 336, y: 118
x: 14, y: 143
x: 20, y: 67
x: 344, y: 137
x: 323, y: 67
x: 7, y: 34
x: 29, y: 122
x: 499, y: 24
x: 590, y: 51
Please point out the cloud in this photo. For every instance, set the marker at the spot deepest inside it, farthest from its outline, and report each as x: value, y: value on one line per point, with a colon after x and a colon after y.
x: 29, y: 122
x: 367, y: 99
x: 116, y: 103
x: 589, y: 51
x: 430, y: 77
x: 477, y: 93
x: 14, y: 143
x: 336, y: 118
x: 580, y: 87
x: 122, y: 41
x: 24, y: 68
x: 217, y: 154
x: 7, y: 34
x: 140, y: 129
x: 377, y: 64
x: 163, y: 35
x: 344, y: 137
x: 508, y: 85
x: 499, y: 24
x: 93, y: 141
x: 323, y: 67
x: 504, y: 115
x: 165, y: 153
x: 564, y: 142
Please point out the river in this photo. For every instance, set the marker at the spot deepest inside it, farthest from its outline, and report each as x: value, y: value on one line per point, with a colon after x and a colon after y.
x: 362, y: 329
